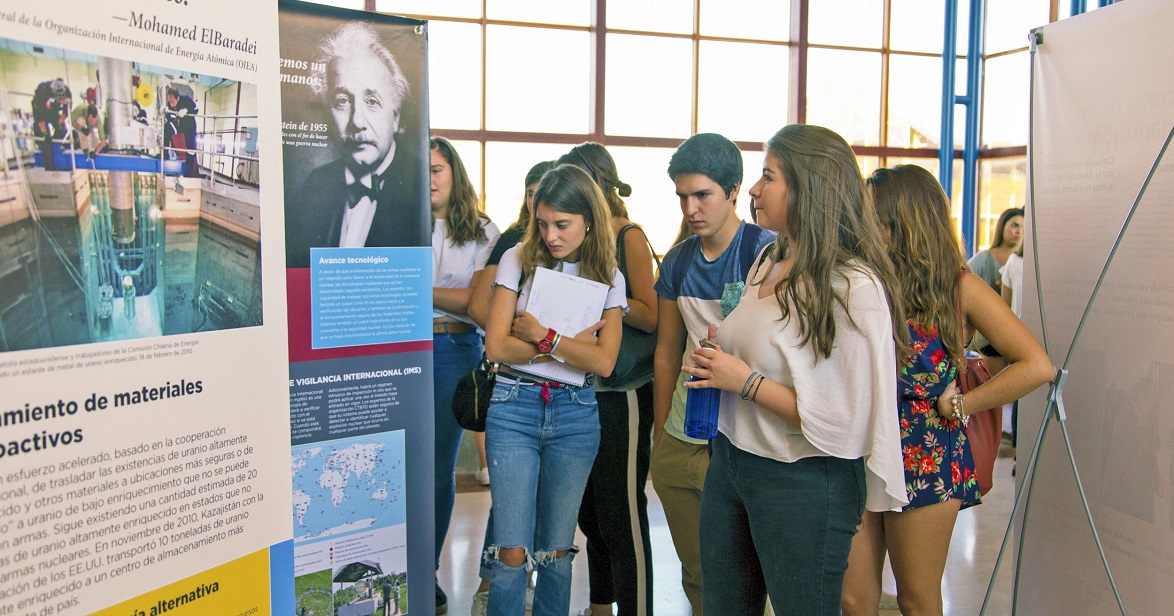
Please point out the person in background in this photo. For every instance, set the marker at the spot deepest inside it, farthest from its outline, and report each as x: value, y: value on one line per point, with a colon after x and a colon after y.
x: 51, y: 102
x: 1012, y: 279
x: 701, y: 281
x: 479, y: 311
x: 807, y: 429
x: 542, y: 436
x: 180, y: 130
x: 944, y: 303
x: 614, y: 513
x: 89, y: 134
x: 1008, y: 234
x: 462, y: 237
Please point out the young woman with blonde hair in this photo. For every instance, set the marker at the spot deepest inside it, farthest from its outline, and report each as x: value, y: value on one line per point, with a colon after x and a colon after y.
x: 541, y: 437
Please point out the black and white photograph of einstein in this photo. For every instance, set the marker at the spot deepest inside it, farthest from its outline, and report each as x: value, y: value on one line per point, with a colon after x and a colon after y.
x: 354, y: 142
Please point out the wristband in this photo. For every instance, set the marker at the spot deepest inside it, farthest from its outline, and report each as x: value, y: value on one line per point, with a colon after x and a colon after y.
x: 746, y: 386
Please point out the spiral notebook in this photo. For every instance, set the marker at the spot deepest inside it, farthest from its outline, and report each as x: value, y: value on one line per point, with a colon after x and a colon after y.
x: 568, y: 304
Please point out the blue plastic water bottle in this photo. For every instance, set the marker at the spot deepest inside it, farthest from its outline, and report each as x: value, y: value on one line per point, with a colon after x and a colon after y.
x: 701, y: 406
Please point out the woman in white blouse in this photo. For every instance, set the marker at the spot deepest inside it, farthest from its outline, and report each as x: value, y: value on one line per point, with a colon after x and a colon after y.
x: 808, y: 435
x: 462, y: 238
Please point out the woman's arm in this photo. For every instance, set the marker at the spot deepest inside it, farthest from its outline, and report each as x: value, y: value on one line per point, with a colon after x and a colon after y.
x: 515, y: 341
x: 642, y: 308
x: 452, y: 301
x: 1028, y: 365
x: 482, y: 291
x: 729, y: 373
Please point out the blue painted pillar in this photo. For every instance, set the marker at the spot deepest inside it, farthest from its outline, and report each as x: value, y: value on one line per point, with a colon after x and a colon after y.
x: 949, y: 62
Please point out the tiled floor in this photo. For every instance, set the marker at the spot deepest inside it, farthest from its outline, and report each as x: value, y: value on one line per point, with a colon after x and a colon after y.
x: 972, y: 554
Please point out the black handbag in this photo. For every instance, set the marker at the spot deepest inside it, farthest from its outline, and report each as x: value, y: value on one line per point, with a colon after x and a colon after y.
x: 470, y: 401
x: 634, y: 365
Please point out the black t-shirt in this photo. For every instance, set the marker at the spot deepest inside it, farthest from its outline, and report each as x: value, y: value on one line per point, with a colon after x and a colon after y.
x: 508, y: 239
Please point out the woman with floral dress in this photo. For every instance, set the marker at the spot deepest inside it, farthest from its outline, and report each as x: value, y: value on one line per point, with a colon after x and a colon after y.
x: 945, y: 304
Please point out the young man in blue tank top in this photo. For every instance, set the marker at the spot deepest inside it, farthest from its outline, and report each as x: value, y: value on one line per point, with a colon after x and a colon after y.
x: 701, y: 281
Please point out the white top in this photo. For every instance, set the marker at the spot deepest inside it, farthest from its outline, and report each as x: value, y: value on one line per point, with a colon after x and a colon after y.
x: 509, y: 272
x: 847, y: 402
x: 453, y: 266
x: 1013, y: 279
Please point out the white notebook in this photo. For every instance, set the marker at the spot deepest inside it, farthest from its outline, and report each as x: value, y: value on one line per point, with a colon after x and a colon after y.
x: 568, y: 304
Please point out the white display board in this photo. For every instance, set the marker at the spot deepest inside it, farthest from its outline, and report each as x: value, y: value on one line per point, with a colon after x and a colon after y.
x: 1103, y: 106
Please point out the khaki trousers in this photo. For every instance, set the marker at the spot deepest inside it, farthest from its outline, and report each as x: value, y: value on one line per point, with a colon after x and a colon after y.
x: 678, y: 476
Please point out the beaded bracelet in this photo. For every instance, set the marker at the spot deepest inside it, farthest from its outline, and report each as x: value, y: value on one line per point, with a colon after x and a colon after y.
x: 959, y: 410
x: 746, y: 387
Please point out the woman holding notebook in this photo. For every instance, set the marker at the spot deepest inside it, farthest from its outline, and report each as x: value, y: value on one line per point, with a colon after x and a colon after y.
x: 542, y: 432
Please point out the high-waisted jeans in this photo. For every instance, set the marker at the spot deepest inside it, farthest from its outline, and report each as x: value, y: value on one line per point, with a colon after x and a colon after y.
x: 540, y: 454
x: 777, y: 528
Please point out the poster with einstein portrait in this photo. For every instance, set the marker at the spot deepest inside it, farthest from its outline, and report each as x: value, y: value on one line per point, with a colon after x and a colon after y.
x: 354, y: 130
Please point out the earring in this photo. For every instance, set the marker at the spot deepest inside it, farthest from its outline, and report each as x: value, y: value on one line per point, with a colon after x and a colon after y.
x: 588, y: 229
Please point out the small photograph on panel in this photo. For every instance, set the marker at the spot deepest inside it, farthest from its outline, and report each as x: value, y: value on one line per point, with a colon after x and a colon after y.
x: 129, y: 200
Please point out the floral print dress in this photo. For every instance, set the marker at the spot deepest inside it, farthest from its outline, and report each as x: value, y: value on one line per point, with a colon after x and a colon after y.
x: 938, y: 463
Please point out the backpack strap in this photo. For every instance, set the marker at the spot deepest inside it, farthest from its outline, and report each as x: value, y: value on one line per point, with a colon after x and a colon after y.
x: 746, y: 253
x: 621, y: 257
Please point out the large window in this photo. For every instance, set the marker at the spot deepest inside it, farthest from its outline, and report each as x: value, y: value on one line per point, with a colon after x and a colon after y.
x: 513, y: 82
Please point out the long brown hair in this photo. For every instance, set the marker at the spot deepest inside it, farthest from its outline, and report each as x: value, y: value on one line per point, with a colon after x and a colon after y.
x: 924, y: 246
x: 569, y: 189
x: 536, y: 172
x: 834, y: 229
x: 464, y: 210
x: 598, y: 163
x: 1004, y: 218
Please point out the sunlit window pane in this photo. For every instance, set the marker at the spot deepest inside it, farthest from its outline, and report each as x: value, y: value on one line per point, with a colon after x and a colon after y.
x: 1002, y: 185
x: 1005, y: 100
x: 652, y: 16
x: 538, y: 80
x: 769, y: 20
x: 454, y: 75
x: 915, y: 102
x: 728, y: 73
x: 867, y: 164
x: 1009, y: 21
x: 653, y: 203
x: 843, y: 93
x: 854, y: 23
x: 917, y: 25
x: 448, y: 8
x: 646, y: 101
x: 571, y: 12
x: 506, y: 165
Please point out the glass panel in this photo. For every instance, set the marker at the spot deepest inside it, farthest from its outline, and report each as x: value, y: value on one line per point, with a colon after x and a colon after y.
x: 1002, y: 185
x: 571, y: 12
x: 917, y: 25
x: 843, y: 93
x: 652, y: 16
x: 915, y: 103
x: 854, y: 23
x: 1008, y: 22
x: 448, y: 8
x: 649, y: 103
x: 768, y: 20
x: 726, y: 71
x: 1005, y: 100
x: 541, y: 85
x: 506, y: 165
x: 454, y: 75
x: 653, y: 203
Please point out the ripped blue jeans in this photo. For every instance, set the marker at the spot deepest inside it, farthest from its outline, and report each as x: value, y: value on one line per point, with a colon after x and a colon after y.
x: 540, y: 454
